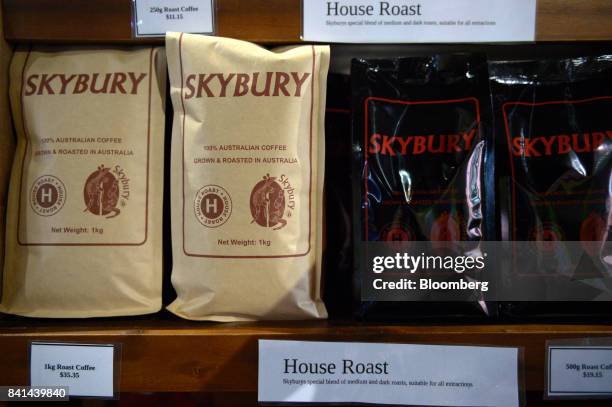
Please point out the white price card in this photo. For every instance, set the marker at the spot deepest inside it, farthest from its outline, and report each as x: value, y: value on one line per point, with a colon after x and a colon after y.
x: 579, y: 371
x: 153, y: 18
x: 418, y: 21
x: 86, y: 369
x: 341, y: 372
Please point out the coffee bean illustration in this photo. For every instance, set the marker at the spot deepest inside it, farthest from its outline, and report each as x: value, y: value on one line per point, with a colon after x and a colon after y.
x: 101, y: 193
x: 268, y: 203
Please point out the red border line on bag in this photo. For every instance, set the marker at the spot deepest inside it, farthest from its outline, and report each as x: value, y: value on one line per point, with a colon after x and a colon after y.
x: 367, y: 131
x: 509, y: 141
x: 310, y: 168
x: 25, y: 153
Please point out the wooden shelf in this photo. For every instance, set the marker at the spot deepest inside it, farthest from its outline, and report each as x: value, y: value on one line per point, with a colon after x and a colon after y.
x: 163, y: 355
x: 264, y: 21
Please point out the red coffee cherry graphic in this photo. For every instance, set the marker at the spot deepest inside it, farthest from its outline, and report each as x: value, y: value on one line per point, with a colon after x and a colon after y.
x: 47, y: 195
x: 592, y: 229
x: 268, y: 203
x: 546, y: 235
x: 395, y: 233
x: 101, y: 193
x: 445, y: 229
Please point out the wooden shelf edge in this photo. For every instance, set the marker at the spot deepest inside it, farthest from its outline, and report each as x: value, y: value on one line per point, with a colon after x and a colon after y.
x: 263, y: 21
x: 183, y: 356
x: 176, y: 327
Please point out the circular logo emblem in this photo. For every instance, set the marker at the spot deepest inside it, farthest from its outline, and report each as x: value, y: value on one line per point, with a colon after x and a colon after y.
x: 213, y: 206
x: 101, y: 193
x: 48, y: 195
x: 268, y: 203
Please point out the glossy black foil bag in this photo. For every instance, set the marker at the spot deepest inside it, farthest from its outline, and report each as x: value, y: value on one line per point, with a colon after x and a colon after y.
x: 422, y: 160
x: 338, y: 251
x: 554, y: 157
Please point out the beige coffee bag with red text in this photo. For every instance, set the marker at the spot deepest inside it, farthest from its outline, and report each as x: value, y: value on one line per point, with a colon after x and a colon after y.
x: 84, y: 236
x: 247, y: 178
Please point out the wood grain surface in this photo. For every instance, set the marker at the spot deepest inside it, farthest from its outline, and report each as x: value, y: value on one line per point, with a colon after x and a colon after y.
x: 165, y: 354
x: 264, y: 21
x: 174, y: 355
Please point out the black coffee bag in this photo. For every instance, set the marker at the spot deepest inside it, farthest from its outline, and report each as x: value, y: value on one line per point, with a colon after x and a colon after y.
x: 422, y: 160
x: 338, y: 252
x: 554, y: 155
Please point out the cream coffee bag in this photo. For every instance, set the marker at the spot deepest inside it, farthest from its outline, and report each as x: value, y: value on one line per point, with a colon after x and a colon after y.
x: 84, y: 236
x: 247, y: 178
